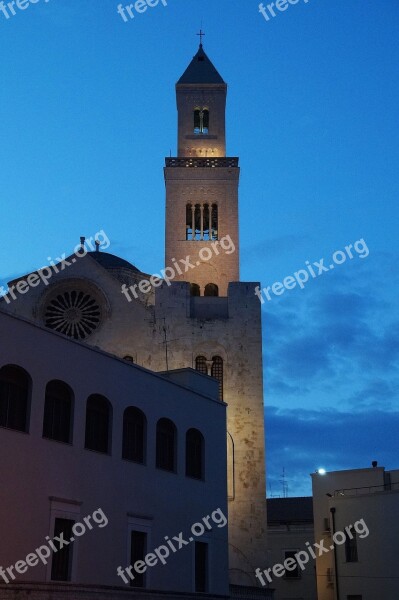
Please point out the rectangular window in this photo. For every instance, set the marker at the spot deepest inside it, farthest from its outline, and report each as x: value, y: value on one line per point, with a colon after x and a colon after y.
x: 295, y: 572
x: 61, y: 565
x: 355, y: 597
x: 138, y: 550
x: 351, y: 547
x: 201, y: 567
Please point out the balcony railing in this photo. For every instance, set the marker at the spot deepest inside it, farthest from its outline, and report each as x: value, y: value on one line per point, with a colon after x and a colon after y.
x: 199, y: 162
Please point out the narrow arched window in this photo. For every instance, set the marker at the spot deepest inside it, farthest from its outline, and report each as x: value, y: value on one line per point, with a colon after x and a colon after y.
x: 98, y: 424
x: 195, y: 454
x: 197, y: 121
x: 198, y: 222
x: 195, y: 289
x: 217, y: 373
x: 15, y: 385
x: 201, y: 121
x: 58, y: 410
x: 200, y: 365
x: 214, y: 233
x: 166, y: 445
x: 211, y: 289
x: 134, y: 435
x: 205, y: 120
x: 189, y: 222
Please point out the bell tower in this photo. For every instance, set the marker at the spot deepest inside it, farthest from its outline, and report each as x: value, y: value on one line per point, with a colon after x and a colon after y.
x: 202, y: 184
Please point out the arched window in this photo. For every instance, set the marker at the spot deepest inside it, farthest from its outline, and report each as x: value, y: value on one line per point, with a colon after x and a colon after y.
x: 195, y: 289
x: 200, y: 365
x: 189, y: 222
x: 214, y: 233
x: 195, y: 451
x: 98, y: 424
x: 15, y: 385
x: 217, y: 373
x: 197, y: 121
x: 58, y: 410
x: 128, y: 359
x: 134, y: 435
x: 201, y: 121
x: 205, y: 120
x: 211, y: 289
x: 166, y: 445
x: 201, y: 221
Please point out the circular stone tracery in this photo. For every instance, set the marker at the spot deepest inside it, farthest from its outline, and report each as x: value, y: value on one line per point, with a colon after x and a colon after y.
x: 74, y: 313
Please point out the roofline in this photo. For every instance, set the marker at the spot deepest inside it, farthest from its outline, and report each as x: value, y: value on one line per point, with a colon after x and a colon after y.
x: 107, y: 354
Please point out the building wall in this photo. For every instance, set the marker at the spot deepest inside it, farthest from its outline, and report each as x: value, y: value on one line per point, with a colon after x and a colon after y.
x: 291, y: 537
x: 40, y: 473
x: 356, y: 495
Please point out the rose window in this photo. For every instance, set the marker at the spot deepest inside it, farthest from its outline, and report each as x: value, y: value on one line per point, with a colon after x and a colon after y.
x: 74, y: 313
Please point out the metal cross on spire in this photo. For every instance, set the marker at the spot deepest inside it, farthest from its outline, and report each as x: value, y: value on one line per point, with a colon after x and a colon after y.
x: 201, y: 35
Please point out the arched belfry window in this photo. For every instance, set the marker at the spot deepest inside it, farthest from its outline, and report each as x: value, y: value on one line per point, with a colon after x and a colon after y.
x: 217, y: 373
x: 58, y: 411
x: 201, y: 121
x: 201, y: 222
x: 201, y: 365
x: 14, y: 398
x: 134, y: 435
x: 211, y: 289
x: 195, y: 454
x: 195, y: 289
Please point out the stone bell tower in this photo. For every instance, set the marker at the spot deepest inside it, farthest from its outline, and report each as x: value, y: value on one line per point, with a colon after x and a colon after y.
x: 221, y: 337
x: 202, y: 184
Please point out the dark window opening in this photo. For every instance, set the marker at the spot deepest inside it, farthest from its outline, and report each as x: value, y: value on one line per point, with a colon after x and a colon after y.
x: 201, y: 222
x: 61, y: 565
x: 195, y: 289
x: 194, y: 454
x: 134, y: 435
x: 351, y: 547
x: 58, y: 412
x: 201, y: 121
x: 201, y: 567
x: 211, y: 289
x: 294, y: 573
x: 98, y: 421
x: 14, y: 398
x: 128, y: 359
x: 138, y: 550
x: 166, y: 445
x: 217, y: 373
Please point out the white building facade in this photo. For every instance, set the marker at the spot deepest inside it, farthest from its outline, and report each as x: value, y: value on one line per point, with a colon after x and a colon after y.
x: 356, y: 516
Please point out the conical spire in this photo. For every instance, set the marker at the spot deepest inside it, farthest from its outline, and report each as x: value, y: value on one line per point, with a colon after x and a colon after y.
x: 200, y: 70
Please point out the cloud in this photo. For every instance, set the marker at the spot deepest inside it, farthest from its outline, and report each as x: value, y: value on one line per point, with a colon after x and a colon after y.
x: 300, y: 441
x: 336, y: 341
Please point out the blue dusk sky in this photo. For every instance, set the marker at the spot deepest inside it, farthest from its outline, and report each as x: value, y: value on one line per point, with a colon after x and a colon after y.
x: 88, y: 115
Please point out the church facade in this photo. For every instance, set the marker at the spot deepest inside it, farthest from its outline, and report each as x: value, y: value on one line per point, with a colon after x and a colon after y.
x: 204, y: 318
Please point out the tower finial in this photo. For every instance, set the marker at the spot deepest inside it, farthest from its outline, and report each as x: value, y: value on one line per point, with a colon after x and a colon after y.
x: 201, y: 35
